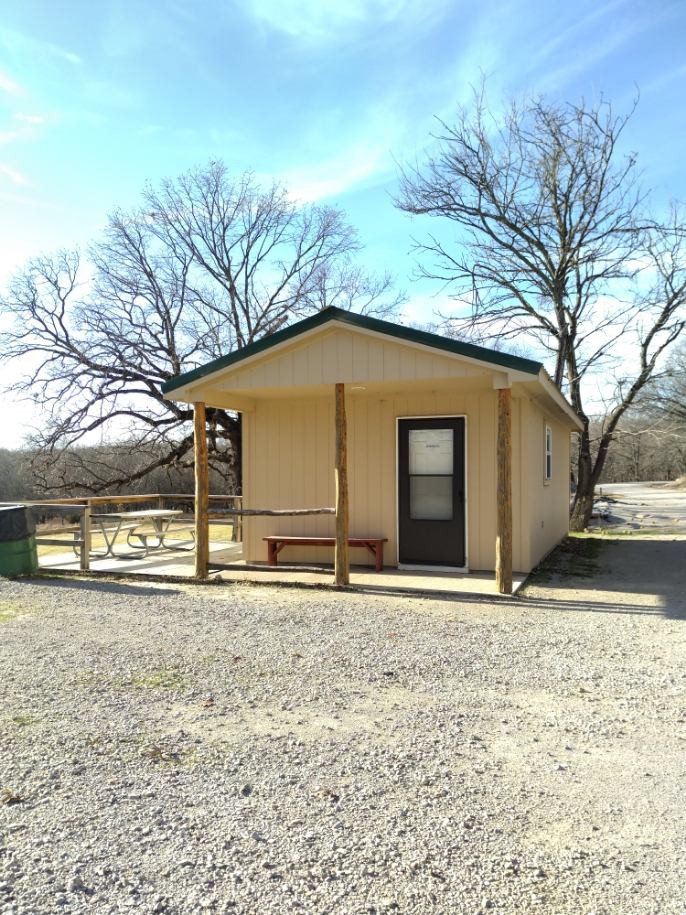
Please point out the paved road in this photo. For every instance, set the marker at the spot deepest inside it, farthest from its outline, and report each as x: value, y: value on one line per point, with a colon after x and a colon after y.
x: 644, y: 506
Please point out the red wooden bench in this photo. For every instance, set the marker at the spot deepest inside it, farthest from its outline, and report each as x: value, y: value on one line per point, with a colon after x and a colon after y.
x: 277, y: 542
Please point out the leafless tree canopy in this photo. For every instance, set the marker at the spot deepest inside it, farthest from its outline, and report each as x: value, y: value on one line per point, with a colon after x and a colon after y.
x: 665, y: 397
x: 552, y: 243
x: 205, y: 265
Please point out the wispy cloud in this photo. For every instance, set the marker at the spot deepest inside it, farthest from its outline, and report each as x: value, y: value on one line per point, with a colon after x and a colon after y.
x: 664, y: 79
x: 333, y: 177
x: 9, y: 136
x: 35, y: 120
x: 565, y: 36
x: 20, y: 44
x: 584, y: 60
x: 8, y: 85
x: 16, y: 177
x: 319, y: 19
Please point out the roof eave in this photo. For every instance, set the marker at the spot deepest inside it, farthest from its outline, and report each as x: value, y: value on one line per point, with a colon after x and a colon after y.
x: 493, y: 359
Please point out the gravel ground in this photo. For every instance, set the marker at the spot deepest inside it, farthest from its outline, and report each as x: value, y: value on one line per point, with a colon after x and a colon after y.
x: 180, y: 749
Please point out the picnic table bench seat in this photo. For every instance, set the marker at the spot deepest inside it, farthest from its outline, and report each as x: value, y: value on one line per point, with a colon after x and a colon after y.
x: 276, y: 542
x: 109, y: 530
x: 142, y: 536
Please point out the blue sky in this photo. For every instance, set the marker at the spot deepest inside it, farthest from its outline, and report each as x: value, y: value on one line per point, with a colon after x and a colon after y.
x: 98, y: 98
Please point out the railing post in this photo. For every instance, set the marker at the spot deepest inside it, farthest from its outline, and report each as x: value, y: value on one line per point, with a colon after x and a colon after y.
x: 85, y: 537
x: 237, y: 525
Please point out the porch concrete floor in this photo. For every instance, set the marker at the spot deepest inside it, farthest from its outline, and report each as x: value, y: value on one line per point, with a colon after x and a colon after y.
x: 181, y: 564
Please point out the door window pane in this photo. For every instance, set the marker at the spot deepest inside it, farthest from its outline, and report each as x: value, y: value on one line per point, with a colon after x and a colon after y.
x: 431, y: 498
x: 431, y: 451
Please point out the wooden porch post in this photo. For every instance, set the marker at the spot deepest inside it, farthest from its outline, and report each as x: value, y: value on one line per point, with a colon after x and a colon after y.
x: 342, y: 562
x: 503, y: 541
x: 202, y: 520
x: 84, y: 563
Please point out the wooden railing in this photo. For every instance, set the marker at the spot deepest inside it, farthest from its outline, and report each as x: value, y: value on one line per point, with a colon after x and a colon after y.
x: 83, y: 506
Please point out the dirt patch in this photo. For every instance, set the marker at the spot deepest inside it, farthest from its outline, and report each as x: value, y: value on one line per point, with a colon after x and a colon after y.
x: 376, y: 713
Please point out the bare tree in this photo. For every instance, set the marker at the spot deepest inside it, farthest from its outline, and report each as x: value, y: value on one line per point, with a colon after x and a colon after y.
x: 206, y: 265
x: 666, y: 396
x: 552, y: 245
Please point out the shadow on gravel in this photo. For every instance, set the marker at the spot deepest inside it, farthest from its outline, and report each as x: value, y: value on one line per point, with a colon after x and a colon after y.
x: 104, y: 587
x: 640, y: 567
x: 553, y: 603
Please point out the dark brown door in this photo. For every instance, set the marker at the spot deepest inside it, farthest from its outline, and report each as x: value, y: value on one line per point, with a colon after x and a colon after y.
x: 431, y: 509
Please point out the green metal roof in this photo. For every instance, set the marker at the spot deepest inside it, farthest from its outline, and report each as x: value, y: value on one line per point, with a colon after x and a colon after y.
x: 397, y: 331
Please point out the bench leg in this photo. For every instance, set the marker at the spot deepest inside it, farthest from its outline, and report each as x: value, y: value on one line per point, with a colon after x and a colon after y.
x: 272, y: 554
x: 376, y: 549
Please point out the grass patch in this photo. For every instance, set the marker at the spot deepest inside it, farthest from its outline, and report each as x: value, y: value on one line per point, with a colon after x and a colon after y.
x: 161, y: 678
x: 8, y: 612
x: 577, y: 557
x: 23, y: 721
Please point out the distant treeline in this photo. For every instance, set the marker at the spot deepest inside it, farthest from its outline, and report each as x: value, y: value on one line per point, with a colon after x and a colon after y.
x: 645, y: 449
x: 27, y: 474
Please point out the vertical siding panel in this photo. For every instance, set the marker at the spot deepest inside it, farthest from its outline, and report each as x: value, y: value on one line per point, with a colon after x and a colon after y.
x: 408, y: 364
x: 356, y: 479
x: 516, y: 484
x: 305, y: 450
x: 247, y: 473
x: 525, y: 494
x: 267, y: 375
x: 388, y: 481
x: 375, y: 360
x: 330, y: 372
x: 297, y: 444
x: 314, y: 362
x: 472, y: 427
x: 486, y: 406
x: 360, y: 370
x: 301, y: 364
x: 391, y: 362
x: 284, y: 367
x: 345, y: 357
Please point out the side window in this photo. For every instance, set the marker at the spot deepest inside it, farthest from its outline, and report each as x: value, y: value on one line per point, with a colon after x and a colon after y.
x: 548, y: 465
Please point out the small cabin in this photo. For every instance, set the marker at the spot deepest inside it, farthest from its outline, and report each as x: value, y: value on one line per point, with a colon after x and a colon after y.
x: 456, y: 455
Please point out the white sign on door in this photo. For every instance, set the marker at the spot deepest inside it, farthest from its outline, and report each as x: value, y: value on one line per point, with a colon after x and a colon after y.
x: 431, y: 451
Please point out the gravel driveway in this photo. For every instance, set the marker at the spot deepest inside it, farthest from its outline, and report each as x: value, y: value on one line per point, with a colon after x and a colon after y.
x: 243, y: 749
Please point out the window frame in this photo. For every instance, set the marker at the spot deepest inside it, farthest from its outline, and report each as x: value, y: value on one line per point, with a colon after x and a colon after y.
x: 547, y: 453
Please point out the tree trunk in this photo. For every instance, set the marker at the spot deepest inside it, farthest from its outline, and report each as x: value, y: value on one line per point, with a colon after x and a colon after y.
x: 583, y: 498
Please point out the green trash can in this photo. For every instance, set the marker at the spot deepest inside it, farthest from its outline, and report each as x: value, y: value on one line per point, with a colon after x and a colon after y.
x: 18, y: 554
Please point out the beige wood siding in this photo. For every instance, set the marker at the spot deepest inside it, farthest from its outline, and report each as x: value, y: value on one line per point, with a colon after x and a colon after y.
x: 548, y: 501
x: 338, y: 355
x: 288, y: 463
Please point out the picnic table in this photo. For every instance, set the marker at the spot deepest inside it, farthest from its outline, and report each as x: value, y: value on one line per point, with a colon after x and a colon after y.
x: 111, y: 524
